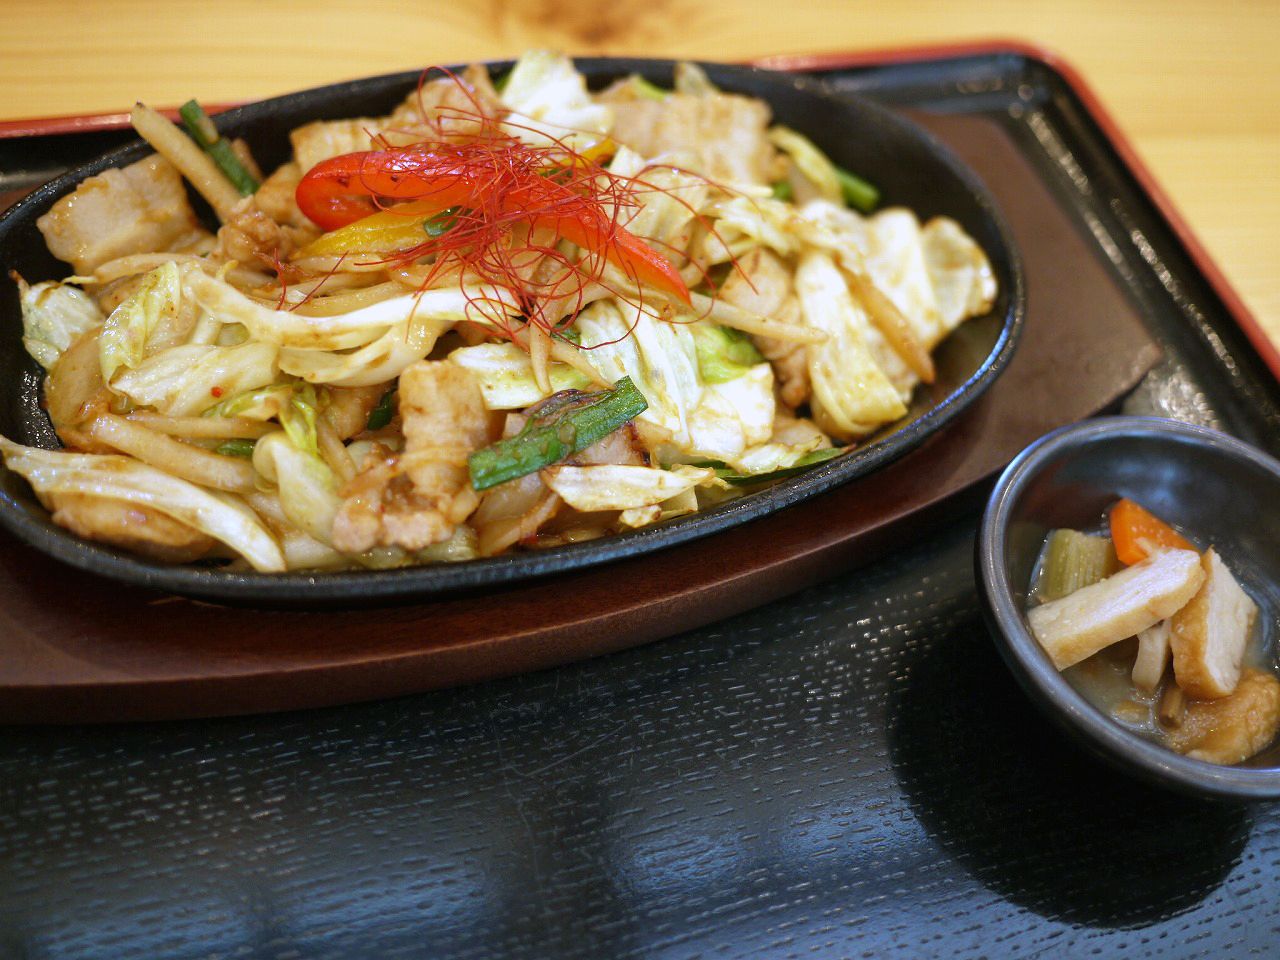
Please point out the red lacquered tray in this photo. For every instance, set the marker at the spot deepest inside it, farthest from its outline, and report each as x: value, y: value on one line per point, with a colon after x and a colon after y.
x: 74, y: 647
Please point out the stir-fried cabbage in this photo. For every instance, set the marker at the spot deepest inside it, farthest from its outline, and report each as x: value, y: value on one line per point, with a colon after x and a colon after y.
x: 187, y: 380
x: 54, y: 315
x: 221, y: 516
x: 306, y: 486
x: 621, y: 487
x: 551, y: 99
x: 851, y: 394
x: 597, y: 311
x: 126, y: 332
x: 505, y: 375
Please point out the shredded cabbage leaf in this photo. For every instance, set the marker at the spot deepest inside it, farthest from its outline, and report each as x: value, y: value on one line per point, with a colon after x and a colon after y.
x: 504, y: 374
x: 130, y: 325
x: 552, y: 99
x: 219, y: 515
x: 307, y: 488
x: 187, y: 380
x: 621, y: 486
x: 54, y: 315
x: 851, y: 394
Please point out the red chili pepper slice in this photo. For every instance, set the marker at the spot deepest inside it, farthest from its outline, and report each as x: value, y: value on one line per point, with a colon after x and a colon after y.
x: 341, y: 190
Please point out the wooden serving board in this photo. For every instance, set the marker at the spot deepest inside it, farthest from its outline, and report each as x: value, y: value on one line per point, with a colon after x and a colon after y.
x: 74, y: 647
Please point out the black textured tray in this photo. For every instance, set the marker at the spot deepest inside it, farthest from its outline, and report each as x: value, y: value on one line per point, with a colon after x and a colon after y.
x: 847, y: 772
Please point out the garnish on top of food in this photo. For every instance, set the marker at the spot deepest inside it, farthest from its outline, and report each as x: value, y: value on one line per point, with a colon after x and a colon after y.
x: 507, y: 315
x: 1162, y: 635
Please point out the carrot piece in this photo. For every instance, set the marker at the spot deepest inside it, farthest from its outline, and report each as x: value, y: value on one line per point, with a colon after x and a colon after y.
x: 1135, y: 531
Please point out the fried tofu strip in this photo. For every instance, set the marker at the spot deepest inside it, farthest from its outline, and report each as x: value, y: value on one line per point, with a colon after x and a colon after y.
x: 1232, y: 728
x: 1209, y: 634
x: 1094, y: 617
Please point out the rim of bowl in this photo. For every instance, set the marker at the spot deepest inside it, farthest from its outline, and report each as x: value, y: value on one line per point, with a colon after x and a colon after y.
x: 1023, y: 655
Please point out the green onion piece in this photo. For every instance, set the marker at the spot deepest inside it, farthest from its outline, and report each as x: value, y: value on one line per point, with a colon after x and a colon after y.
x: 558, y: 427
x: 648, y: 90
x: 729, y: 475
x: 206, y: 135
x: 1073, y: 560
x: 782, y: 190
x: 236, y: 448
x: 442, y: 222
x: 858, y: 193
x: 500, y: 82
x: 380, y: 415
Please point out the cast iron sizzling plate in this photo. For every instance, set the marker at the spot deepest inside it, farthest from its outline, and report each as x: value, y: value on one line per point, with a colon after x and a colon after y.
x: 910, y: 167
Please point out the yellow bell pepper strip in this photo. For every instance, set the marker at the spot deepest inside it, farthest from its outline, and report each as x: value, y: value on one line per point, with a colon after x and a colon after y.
x: 499, y: 188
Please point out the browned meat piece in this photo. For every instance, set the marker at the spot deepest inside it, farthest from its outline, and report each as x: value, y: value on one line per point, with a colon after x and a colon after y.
x: 250, y: 236
x: 142, y: 208
x: 448, y: 107
x: 762, y: 285
x: 349, y: 408
x: 451, y: 108
x: 419, y: 497
x: 621, y: 447
x: 1234, y: 728
x: 724, y: 133
x: 275, y: 197
x: 129, y: 526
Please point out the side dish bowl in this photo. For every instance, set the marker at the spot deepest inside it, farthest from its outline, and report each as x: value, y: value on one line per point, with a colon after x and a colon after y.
x: 1211, y: 483
x: 907, y: 164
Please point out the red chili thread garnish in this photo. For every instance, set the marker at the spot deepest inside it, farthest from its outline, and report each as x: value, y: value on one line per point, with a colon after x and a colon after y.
x: 514, y: 202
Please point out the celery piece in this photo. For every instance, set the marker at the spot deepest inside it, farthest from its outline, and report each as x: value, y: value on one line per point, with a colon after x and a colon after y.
x: 1073, y: 560
x: 558, y: 427
x: 858, y: 193
x: 204, y: 133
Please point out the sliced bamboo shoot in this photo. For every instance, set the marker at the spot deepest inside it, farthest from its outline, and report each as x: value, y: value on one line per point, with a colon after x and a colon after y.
x: 1153, y: 657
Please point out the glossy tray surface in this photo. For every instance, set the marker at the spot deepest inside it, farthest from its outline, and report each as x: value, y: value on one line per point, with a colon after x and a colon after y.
x: 910, y: 167
x: 846, y: 772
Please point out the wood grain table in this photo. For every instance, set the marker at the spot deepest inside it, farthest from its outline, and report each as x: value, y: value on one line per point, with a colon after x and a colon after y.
x: 1196, y: 84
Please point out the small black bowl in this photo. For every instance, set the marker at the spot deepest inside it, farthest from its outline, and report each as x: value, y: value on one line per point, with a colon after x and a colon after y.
x: 1209, y: 483
x: 910, y: 167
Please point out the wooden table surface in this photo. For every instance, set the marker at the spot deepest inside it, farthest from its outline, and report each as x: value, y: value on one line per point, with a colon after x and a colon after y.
x: 1195, y: 84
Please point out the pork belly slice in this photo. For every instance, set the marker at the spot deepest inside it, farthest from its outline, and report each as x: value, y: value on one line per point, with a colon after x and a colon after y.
x: 1210, y: 633
x: 1079, y: 625
x: 141, y: 208
x: 1233, y: 728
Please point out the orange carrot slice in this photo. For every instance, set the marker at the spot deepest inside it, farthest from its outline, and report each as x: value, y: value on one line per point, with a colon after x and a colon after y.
x: 1136, y: 532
